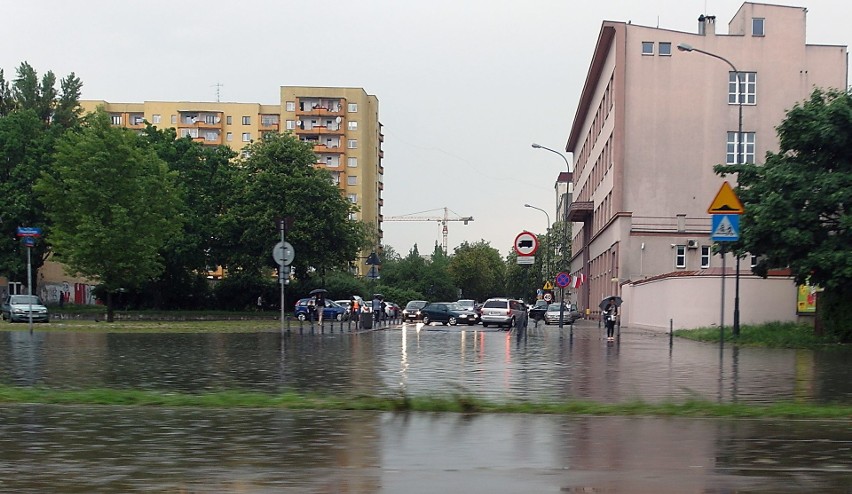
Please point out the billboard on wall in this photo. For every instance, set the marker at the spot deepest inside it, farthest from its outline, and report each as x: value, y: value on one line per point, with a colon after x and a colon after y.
x: 806, y: 299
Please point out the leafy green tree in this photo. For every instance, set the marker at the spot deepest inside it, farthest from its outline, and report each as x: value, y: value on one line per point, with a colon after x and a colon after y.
x: 276, y: 178
x: 521, y: 280
x: 32, y: 116
x: 112, y: 203
x: 478, y: 270
x: 205, y: 180
x: 796, y: 205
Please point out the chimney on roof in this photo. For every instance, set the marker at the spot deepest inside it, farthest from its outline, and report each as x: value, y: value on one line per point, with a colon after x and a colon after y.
x: 706, y: 24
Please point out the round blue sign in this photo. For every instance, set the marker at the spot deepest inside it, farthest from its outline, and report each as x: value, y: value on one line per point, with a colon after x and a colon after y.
x: 563, y: 279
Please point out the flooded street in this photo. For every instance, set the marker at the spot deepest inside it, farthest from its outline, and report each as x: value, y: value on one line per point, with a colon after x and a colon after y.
x: 548, y: 364
x: 70, y: 449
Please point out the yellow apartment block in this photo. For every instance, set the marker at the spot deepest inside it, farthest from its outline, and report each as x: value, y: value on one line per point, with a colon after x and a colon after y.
x: 341, y: 123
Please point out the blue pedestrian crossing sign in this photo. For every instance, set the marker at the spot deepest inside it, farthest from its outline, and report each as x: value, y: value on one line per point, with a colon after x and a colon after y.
x: 725, y: 227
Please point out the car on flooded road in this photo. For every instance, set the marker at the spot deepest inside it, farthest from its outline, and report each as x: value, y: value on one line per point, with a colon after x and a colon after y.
x: 448, y: 313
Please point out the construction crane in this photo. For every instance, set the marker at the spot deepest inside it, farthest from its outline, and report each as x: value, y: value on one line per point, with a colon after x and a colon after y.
x: 443, y: 221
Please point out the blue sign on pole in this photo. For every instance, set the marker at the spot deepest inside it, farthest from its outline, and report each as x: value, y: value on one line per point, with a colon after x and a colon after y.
x: 25, y: 231
x: 725, y: 227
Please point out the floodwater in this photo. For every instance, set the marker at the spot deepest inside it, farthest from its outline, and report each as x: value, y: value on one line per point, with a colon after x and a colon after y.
x: 75, y: 449
x: 548, y: 364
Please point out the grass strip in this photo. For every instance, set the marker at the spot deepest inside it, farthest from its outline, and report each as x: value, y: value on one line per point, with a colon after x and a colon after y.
x: 451, y: 404
x: 768, y: 335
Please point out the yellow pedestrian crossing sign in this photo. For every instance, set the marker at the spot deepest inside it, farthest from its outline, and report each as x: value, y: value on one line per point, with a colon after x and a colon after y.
x: 547, y: 285
x: 726, y: 201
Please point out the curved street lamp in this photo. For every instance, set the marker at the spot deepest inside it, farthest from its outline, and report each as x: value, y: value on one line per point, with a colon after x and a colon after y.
x: 543, y: 211
x: 688, y: 48
x: 547, y: 251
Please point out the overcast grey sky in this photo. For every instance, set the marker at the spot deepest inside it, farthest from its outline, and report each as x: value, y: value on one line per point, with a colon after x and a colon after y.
x: 464, y: 86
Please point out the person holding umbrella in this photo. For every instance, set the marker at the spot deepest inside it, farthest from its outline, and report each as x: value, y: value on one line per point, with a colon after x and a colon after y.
x: 319, y: 302
x: 610, y: 311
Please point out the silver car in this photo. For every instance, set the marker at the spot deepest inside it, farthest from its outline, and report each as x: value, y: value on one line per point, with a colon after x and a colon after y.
x: 569, y: 314
x: 19, y: 307
x: 501, y: 312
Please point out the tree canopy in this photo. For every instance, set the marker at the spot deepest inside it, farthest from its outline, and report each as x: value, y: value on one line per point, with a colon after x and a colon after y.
x: 112, y: 203
x: 33, y: 114
x: 797, y: 203
x: 276, y: 178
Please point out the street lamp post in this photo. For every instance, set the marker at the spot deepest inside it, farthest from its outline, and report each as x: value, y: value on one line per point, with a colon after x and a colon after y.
x: 565, y: 222
x: 687, y: 48
x: 547, y: 250
x: 568, y: 168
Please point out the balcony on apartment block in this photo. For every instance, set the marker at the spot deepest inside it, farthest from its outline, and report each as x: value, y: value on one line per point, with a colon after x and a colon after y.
x: 269, y: 123
x: 136, y: 120
x: 320, y: 107
x: 199, y: 120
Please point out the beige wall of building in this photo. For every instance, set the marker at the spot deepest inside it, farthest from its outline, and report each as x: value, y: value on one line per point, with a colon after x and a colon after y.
x: 651, y: 123
x: 342, y: 123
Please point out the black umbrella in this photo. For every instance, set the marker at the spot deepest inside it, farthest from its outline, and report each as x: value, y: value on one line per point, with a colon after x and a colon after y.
x: 318, y: 290
x: 616, y: 299
x: 378, y: 295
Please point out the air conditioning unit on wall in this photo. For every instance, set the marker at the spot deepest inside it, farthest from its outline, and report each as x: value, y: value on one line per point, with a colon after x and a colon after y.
x: 692, y: 244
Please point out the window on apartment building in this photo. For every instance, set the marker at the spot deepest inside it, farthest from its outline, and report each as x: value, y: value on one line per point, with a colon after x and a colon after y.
x: 680, y: 256
x: 291, y: 125
x: 352, y: 107
x: 665, y: 49
x: 352, y: 125
x: 351, y: 180
x: 647, y: 47
x: 352, y: 144
x: 352, y: 162
x: 705, y: 256
x: 753, y: 261
x: 174, y: 119
x: 229, y: 120
x: 328, y: 161
x: 747, y: 88
x: 246, y: 136
x: 246, y: 120
x: 116, y: 119
x: 733, y: 151
x: 155, y: 118
x: 353, y: 198
x: 290, y: 106
x: 757, y: 26
x: 229, y: 136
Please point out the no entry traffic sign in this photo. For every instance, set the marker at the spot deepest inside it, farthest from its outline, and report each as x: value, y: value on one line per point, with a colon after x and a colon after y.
x: 526, y: 243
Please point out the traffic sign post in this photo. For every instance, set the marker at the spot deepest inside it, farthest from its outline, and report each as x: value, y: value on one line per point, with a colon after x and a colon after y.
x: 725, y: 210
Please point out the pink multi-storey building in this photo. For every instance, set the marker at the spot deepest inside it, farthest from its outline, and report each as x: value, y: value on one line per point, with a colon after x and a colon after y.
x: 651, y: 122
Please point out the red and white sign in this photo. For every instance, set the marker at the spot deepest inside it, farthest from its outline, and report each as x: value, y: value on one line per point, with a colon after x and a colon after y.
x: 526, y: 243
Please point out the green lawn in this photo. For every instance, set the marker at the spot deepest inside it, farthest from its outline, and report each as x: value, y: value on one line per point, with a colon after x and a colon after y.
x: 769, y: 335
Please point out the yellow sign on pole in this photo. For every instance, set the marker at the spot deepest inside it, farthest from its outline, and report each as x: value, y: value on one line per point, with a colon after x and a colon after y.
x: 726, y: 201
x: 547, y: 285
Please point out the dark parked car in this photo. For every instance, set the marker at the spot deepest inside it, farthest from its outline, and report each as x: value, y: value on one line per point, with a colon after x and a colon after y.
x: 448, y: 313
x: 18, y: 307
x: 537, y: 311
x: 331, y: 312
x: 411, y: 312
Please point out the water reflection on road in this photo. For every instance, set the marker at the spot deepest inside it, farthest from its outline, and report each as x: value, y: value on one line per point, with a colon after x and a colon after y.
x: 548, y: 364
x: 113, y: 449
x: 74, y: 449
